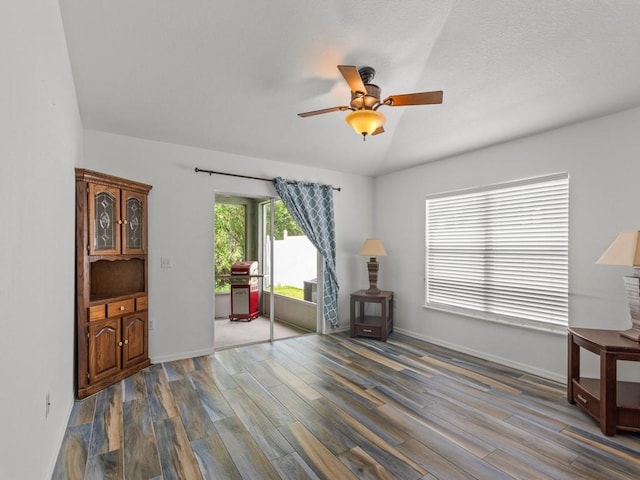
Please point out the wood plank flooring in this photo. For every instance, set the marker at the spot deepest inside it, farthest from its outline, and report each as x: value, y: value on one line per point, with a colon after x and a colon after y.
x: 331, y: 407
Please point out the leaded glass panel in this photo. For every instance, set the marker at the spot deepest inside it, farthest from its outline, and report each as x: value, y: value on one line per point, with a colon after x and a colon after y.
x: 104, y: 222
x: 134, y: 224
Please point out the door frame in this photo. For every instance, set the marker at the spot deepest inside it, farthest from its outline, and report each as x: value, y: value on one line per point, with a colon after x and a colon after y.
x: 259, y: 199
x: 262, y: 200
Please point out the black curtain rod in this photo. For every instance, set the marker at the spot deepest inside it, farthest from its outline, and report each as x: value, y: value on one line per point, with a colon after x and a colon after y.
x: 211, y: 172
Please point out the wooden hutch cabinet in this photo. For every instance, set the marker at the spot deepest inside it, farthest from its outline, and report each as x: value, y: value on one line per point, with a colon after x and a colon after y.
x: 111, y: 280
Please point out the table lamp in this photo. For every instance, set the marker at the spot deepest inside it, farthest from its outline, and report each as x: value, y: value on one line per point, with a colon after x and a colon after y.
x: 373, y: 248
x: 625, y: 250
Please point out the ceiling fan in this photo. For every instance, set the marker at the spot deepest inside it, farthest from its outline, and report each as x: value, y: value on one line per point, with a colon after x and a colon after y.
x: 365, y: 101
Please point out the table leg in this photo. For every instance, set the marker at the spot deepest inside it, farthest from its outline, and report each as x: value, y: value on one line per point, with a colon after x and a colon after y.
x: 608, y: 399
x: 383, y: 321
x: 352, y: 327
x: 573, y: 369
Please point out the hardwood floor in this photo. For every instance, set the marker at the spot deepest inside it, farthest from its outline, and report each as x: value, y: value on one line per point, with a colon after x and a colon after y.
x: 332, y: 407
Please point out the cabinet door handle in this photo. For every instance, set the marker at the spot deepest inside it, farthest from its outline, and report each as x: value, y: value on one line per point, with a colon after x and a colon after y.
x: 119, y: 344
x: 124, y: 221
x: 119, y: 222
x: 126, y: 342
x: 367, y: 330
x: 121, y: 308
x: 582, y: 399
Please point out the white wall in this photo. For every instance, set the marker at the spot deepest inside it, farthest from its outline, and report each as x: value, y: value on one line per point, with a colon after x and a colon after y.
x: 181, y: 227
x: 602, y: 157
x: 40, y: 141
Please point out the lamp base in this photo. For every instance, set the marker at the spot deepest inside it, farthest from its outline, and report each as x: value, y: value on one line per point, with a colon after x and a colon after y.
x: 632, y: 334
x: 632, y: 289
x: 373, y: 266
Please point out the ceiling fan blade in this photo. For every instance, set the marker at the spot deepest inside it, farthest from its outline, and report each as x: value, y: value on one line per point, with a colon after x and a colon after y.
x: 378, y: 131
x: 324, y: 110
x: 423, y: 98
x: 351, y: 75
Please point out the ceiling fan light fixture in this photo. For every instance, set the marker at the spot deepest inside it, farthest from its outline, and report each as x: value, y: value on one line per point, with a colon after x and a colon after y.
x: 365, y: 101
x: 365, y: 122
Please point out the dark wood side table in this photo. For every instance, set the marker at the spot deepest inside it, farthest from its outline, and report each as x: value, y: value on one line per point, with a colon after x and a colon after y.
x: 615, y: 404
x: 376, y: 326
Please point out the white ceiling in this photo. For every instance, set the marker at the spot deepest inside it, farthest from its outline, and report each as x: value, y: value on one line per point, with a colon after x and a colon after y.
x: 232, y: 75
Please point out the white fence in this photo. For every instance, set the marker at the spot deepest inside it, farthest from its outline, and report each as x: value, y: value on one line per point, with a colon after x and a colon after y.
x: 294, y: 259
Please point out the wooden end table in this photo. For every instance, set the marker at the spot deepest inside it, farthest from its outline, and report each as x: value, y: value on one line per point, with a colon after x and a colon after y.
x: 615, y: 404
x: 371, y: 325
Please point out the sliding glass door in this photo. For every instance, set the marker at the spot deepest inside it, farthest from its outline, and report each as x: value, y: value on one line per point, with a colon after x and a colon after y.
x: 292, y: 290
x: 286, y: 284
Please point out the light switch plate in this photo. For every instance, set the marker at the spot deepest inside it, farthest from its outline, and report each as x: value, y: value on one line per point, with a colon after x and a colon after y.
x: 165, y: 262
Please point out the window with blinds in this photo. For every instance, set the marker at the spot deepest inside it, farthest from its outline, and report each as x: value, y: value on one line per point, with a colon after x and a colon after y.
x: 501, y: 252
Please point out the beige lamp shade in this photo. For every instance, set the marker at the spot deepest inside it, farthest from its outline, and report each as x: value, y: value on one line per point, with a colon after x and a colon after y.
x: 373, y: 248
x: 624, y: 250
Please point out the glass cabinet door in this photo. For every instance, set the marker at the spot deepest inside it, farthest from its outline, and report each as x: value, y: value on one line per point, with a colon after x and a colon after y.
x: 134, y: 213
x: 104, y: 221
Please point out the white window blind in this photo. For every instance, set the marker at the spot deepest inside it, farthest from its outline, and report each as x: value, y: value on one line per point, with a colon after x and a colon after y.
x: 501, y: 252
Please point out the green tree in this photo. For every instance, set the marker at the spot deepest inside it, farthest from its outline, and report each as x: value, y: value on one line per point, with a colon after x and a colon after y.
x: 282, y: 220
x: 230, y: 232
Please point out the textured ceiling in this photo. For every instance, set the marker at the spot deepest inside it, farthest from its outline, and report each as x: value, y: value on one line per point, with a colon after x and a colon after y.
x: 231, y: 75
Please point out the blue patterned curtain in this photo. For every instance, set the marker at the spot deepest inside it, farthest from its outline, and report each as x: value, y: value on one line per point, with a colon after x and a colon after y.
x: 311, y: 205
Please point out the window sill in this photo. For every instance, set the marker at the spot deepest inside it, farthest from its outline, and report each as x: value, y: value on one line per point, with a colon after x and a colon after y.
x: 513, y: 322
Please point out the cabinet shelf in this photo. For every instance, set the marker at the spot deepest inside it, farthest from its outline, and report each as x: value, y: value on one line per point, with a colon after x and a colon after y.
x: 369, y: 320
x: 613, y: 403
x: 627, y: 393
x: 112, y: 258
x: 113, y: 278
x: 98, y: 300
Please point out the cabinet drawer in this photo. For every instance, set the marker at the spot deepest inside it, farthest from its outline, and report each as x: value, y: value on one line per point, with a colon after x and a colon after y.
x: 586, y: 400
x: 368, y: 330
x: 120, y: 308
x: 97, y: 312
x: 141, y: 303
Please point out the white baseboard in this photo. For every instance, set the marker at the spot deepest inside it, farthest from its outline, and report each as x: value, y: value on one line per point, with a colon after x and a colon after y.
x: 469, y: 351
x: 483, y: 355
x: 331, y: 331
x: 182, y: 355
